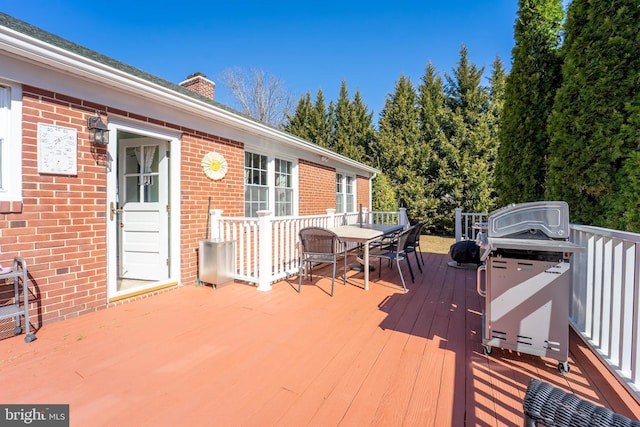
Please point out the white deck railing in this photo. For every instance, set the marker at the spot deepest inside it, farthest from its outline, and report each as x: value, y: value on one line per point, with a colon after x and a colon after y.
x: 466, y: 224
x: 267, y: 246
x: 605, y: 293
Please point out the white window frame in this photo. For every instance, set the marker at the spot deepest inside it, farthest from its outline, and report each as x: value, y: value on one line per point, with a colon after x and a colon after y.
x: 345, y: 193
x: 257, y: 186
x: 10, y: 142
x: 271, y: 184
x: 279, y: 188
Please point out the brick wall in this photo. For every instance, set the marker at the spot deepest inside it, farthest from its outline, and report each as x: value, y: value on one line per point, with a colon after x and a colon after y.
x: 362, y: 192
x: 317, y: 188
x: 226, y: 194
x: 60, y: 230
x: 60, y: 227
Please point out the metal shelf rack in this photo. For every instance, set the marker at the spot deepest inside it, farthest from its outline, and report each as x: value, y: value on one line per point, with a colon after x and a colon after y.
x: 18, y: 308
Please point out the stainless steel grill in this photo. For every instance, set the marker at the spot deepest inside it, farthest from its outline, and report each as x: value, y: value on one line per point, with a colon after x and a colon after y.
x: 526, y: 282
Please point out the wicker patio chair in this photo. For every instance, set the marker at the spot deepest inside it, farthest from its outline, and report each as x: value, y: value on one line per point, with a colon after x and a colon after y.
x: 318, y: 246
x: 546, y: 405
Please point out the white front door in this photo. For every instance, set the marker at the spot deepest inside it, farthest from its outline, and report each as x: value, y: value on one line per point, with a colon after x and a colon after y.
x: 143, y: 210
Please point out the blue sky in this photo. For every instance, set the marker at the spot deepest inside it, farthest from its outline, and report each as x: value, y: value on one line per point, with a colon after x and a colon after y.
x: 309, y: 45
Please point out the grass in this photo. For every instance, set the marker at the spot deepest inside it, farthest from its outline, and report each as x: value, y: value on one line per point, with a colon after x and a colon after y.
x: 437, y: 244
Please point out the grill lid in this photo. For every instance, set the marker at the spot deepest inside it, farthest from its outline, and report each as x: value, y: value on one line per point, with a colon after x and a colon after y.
x: 534, y: 227
x: 532, y: 220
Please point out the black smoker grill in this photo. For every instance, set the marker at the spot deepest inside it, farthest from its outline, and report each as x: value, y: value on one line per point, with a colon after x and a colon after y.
x: 526, y: 271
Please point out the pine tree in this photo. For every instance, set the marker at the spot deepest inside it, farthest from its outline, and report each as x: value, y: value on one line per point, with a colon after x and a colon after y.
x: 529, y: 92
x: 383, y: 197
x: 300, y: 123
x: 466, y: 173
x: 595, y: 122
x: 433, y: 116
x: 342, y: 137
x: 397, y: 143
x: 320, y: 128
x: 311, y: 121
x: 497, y: 83
x: 364, y: 134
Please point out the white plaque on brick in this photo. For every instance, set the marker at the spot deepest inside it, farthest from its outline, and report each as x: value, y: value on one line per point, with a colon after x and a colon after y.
x: 57, y: 149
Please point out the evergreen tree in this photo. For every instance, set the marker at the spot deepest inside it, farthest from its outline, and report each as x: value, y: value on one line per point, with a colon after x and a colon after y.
x: 300, y: 124
x: 311, y: 121
x: 345, y: 128
x: 466, y: 175
x: 595, y: 122
x: 364, y: 134
x: 383, y: 197
x: 433, y: 116
x: 397, y: 143
x: 529, y: 92
x: 320, y: 126
x: 497, y: 83
x: 343, y: 133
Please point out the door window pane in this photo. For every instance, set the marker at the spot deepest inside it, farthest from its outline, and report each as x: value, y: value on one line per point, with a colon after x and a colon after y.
x: 142, y: 174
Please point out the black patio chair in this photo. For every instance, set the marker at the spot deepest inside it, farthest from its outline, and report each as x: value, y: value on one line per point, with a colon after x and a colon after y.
x: 413, y: 243
x: 398, y: 252
x: 318, y: 246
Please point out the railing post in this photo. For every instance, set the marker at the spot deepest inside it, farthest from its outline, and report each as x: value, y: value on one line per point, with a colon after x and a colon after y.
x: 265, y: 250
x: 216, y: 224
x: 403, y: 220
x: 331, y: 220
x: 458, y: 224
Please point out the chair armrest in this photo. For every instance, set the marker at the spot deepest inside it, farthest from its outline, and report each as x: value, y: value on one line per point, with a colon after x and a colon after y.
x: 549, y: 406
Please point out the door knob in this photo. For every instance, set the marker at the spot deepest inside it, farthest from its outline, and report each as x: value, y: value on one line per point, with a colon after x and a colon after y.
x: 114, y: 211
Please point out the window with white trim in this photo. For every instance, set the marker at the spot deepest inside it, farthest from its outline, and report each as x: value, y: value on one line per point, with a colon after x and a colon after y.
x: 284, y: 188
x: 256, y: 184
x: 345, y: 193
x: 268, y: 185
x: 10, y: 142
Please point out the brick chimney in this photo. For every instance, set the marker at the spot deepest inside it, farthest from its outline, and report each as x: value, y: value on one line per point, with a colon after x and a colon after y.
x: 199, y: 83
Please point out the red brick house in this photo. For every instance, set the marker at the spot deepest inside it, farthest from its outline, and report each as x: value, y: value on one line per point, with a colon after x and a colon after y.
x: 101, y: 223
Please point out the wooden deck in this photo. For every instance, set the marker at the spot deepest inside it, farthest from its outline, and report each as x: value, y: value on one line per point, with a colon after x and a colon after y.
x: 231, y: 356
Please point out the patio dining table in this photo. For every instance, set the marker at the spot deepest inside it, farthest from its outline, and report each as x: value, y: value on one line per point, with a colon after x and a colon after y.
x: 365, y: 234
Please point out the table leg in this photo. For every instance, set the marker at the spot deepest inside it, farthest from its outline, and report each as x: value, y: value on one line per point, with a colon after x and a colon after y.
x: 366, y: 266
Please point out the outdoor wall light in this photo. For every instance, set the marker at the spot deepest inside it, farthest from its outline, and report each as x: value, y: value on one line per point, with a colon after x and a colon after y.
x: 98, y: 131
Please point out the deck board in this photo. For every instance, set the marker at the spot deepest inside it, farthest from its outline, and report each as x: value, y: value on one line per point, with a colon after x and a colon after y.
x: 236, y: 356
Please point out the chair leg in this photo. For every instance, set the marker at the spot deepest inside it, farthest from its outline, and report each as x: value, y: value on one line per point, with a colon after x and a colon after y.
x: 420, y: 256
x: 404, y: 286
x: 344, y: 275
x: 300, y: 272
x: 406, y: 256
x: 415, y: 252
x: 333, y: 275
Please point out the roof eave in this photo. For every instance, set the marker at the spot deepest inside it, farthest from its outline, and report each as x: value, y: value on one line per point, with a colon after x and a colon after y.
x: 34, y: 49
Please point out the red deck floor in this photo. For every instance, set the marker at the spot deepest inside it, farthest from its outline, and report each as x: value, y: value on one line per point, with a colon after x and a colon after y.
x: 234, y: 356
